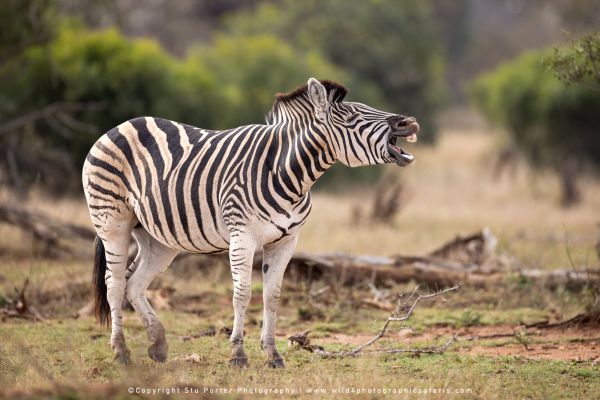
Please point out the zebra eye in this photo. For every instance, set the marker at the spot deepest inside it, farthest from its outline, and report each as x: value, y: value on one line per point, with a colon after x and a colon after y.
x: 352, y: 118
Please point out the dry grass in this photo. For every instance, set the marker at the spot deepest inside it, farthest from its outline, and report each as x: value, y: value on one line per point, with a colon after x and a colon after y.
x: 451, y: 191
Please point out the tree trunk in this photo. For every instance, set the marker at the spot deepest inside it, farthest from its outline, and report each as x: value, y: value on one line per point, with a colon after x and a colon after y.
x: 570, y: 190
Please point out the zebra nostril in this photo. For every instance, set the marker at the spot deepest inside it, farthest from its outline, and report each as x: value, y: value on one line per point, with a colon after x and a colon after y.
x: 395, y: 121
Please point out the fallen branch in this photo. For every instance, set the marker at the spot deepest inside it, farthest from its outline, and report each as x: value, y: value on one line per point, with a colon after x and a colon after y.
x: 396, y: 316
x: 47, y: 112
x: 19, y: 307
x: 467, y: 259
x: 576, y: 320
x: 579, y: 319
x: 43, y: 228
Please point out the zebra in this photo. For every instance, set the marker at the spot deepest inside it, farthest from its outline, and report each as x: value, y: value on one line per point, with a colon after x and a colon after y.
x: 178, y: 188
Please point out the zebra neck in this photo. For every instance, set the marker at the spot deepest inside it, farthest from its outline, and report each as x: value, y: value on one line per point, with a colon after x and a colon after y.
x: 305, y: 152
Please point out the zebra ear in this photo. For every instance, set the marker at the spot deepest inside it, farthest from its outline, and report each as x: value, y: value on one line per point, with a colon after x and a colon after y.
x: 318, y: 97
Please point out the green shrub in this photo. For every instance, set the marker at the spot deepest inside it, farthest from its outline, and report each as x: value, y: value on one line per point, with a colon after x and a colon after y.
x: 250, y: 70
x: 548, y: 120
x: 126, y: 78
x: 388, y: 45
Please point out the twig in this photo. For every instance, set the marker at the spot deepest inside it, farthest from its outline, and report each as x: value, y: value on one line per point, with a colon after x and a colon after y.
x: 395, y: 316
x: 567, y: 249
x: 424, y: 350
x: 320, y: 292
x: 19, y: 307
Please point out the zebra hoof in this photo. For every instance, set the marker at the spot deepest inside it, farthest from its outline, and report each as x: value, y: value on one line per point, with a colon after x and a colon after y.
x: 276, y: 363
x: 158, y: 351
x: 123, y: 357
x: 240, y: 362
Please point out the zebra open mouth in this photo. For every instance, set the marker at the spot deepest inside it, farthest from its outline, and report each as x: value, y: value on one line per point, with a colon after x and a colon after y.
x: 400, y: 157
x: 402, y: 127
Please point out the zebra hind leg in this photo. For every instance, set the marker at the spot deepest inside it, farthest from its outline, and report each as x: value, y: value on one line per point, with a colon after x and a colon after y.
x: 116, y: 245
x: 152, y: 258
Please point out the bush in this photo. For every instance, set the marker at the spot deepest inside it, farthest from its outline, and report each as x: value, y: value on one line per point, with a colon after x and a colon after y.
x: 546, y: 118
x: 126, y: 78
x: 229, y: 83
x: 553, y: 124
x: 393, y: 45
x: 250, y: 70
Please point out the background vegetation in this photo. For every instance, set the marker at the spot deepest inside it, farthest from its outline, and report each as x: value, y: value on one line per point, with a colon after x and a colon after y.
x: 553, y: 123
x: 507, y: 93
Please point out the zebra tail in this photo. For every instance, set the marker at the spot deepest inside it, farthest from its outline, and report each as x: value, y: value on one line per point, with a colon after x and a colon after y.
x: 101, y: 306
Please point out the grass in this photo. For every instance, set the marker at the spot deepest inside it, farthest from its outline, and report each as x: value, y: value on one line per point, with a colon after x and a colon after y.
x: 53, y: 355
x: 71, y: 358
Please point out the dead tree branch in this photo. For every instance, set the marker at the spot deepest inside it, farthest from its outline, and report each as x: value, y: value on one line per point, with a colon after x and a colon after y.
x: 45, y: 113
x: 19, y: 307
x: 401, y: 313
x: 469, y: 259
x: 44, y: 228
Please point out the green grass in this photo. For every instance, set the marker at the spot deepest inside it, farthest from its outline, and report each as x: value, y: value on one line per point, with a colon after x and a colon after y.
x: 62, y: 358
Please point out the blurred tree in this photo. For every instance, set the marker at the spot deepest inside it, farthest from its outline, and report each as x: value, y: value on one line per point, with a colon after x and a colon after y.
x: 62, y: 95
x: 83, y: 83
x: 553, y: 124
x: 252, y: 69
x: 452, y: 22
x: 392, y: 44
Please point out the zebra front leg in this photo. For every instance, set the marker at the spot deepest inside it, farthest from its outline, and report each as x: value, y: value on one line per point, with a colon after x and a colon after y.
x: 275, y: 260
x: 241, y: 253
x: 152, y: 259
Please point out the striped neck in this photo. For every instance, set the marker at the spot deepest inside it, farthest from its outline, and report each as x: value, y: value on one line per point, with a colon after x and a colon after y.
x: 305, y: 147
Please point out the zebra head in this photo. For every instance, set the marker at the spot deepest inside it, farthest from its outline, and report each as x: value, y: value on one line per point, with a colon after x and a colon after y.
x: 362, y: 135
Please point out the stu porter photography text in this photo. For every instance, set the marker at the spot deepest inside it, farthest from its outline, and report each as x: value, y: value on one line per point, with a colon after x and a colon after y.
x: 294, y: 391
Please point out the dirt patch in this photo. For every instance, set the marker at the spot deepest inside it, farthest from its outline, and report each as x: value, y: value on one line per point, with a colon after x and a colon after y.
x: 579, y: 343
x: 570, y: 351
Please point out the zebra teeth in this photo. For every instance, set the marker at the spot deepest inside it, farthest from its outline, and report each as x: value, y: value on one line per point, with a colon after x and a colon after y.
x: 411, y: 138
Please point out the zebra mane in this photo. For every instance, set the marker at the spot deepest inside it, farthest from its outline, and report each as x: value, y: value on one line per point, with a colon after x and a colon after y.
x: 335, y: 91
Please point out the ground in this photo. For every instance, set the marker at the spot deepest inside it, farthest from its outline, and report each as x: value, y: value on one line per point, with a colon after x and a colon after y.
x: 450, y: 191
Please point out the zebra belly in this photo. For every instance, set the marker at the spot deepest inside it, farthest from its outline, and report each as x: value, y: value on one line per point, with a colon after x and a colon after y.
x: 184, y: 230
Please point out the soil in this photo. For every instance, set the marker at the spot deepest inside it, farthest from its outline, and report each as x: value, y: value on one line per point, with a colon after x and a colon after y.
x: 575, y: 343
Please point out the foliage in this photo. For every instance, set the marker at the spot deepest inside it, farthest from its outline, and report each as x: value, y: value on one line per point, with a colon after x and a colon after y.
x: 391, y: 44
x: 548, y: 120
x: 217, y: 86
x: 579, y: 63
x: 394, y: 63
x: 126, y: 78
x: 251, y: 69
